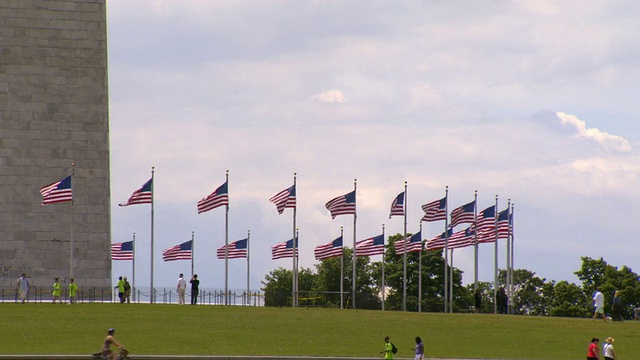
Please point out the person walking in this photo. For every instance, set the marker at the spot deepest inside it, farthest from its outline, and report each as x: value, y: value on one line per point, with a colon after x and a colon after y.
x: 56, y: 291
x: 127, y: 291
x: 73, y: 290
x: 617, y: 306
x: 593, y: 352
x: 419, y: 349
x: 607, y: 349
x: 195, y: 288
x: 182, y: 287
x: 598, y: 303
x: 388, y: 348
x: 22, y: 286
x: 121, y: 289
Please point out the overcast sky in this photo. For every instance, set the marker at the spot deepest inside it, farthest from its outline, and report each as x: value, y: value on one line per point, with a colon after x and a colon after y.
x: 533, y: 101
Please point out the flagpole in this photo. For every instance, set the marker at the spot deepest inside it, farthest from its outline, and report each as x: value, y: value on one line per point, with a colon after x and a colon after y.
x: 294, y: 278
x: 193, y: 251
x: 152, y: 234
x: 353, y: 281
x: 512, y: 263
x: 226, y: 246
x: 475, y: 242
x: 73, y: 171
x: 384, y: 289
x: 248, y: 287
x: 133, y: 267
x: 420, y: 272
x: 446, y: 250
x: 404, y: 257
x: 342, y: 270
x: 507, y: 278
x: 495, y: 259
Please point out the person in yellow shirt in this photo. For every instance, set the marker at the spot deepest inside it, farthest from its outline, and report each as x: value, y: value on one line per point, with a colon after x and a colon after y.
x: 73, y: 290
x: 56, y: 291
x: 388, y: 348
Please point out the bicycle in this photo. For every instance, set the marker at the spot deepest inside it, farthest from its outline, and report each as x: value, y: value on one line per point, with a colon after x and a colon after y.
x: 122, y: 355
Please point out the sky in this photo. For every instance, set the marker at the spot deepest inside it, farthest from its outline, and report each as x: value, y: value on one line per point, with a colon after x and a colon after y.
x: 532, y: 101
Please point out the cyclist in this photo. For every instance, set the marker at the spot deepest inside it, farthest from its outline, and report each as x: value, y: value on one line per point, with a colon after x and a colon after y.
x: 106, y: 347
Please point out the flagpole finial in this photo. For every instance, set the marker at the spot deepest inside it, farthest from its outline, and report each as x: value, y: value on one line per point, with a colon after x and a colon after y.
x: 192, y: 232
x: 405, y: 182
x: 73, y: 164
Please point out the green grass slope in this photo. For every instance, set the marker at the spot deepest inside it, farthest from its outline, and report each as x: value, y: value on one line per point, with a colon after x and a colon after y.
x: 220, y: 330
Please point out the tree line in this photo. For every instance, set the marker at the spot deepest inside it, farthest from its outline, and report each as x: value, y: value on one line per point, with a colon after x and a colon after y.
x: 532, y: 295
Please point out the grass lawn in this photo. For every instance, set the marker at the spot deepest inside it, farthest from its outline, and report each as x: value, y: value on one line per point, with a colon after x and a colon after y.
x: 234, y: 330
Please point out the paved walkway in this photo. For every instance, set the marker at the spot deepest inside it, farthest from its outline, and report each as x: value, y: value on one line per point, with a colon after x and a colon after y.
x: 206, y: 357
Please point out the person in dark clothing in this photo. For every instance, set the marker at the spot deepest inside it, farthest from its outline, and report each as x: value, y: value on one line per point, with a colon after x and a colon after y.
x: 503, y: 301
x: 195, y: 283
x: 617, y: 306
x: 477, y: 300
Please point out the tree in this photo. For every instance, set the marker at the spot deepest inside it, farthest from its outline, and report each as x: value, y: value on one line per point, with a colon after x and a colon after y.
x: 569, y: 300
x: 597, y: 274
x: 432, y: 280
x: 328, y: 281
x: 277, y: 286
x: 530, y: 292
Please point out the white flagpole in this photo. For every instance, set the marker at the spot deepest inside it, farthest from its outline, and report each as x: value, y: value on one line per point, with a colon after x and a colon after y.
x: 507, y: 278
x: 384, y: 288
x: 475, y: 243
x: 446, y: 249
x: 133, y: 267
x: 353, y: 281
x: 404, y: 258
x: 342, y: 270
x: 226, y: 245
x: 294, y: 270
x: 153, y: 190
x: 420, y: 272
x: 73, y: 171
x: 511, y: 284
x: 193, y: 250
x: 495, y: 259
x: 248, y: 287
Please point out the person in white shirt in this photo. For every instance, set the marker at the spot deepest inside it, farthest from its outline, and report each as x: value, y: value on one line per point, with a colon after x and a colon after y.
x: 607, y: 349
x: 182, y: 287
x: 598, y: 303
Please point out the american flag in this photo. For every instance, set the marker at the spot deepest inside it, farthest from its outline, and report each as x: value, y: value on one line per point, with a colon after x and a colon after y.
x: 285, y: 199
x: 414, y: 243
x: 329, y: 250
x: 282, y: 250
x: 144, y: 195
x: 342, y: 205
x: 235, y: 250
x: 397, y: 206
x: 178, y: 252
x: 486, y: 219
x: 460, y: 239
x: 505, y: 219
x: 435, y: 210
x: 370, y: 246
x: 218, y: 198
x: 463, y: 214
x: 122, y: 251
x: 59, y: 191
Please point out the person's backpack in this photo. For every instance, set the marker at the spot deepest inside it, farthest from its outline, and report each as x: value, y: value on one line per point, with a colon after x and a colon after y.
x: 394, y: 349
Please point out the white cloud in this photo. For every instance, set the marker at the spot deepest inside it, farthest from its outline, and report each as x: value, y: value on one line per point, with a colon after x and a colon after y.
x: 331, y: 96
x: 607, y: 141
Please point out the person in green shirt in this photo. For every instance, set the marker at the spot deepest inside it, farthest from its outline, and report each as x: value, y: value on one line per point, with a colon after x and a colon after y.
x: 73, y: 290
x: 121, y: 289
x: 56, y: 291
x: 388, y: 348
